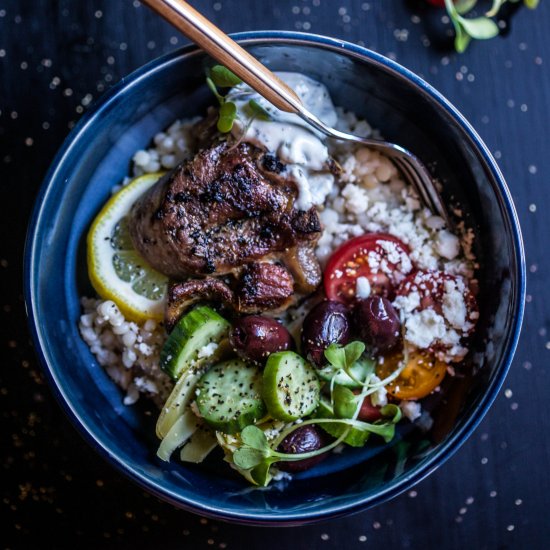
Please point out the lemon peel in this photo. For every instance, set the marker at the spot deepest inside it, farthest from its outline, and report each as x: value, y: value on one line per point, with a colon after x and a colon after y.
x: 115, y: 268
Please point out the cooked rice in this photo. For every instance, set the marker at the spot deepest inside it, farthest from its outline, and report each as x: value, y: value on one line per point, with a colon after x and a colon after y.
x: 170, y: 148
x: 129, y: 352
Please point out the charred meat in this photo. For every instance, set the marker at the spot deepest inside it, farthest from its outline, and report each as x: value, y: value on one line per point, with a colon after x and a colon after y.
x: 181, y: 296
x: 227, y: 207
x: 264, y: 286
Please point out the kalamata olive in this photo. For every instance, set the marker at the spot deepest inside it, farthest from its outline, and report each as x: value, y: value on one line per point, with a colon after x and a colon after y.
x: 377, y: 323
x: 327, y: 323
x: 256, y: 337
x: 303, y: 440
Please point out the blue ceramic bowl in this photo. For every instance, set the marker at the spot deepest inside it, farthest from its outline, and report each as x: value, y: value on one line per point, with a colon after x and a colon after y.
x: 97, y: 155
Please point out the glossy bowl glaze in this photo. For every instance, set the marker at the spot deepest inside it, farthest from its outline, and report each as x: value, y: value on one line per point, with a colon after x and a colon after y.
x: 97, y: 155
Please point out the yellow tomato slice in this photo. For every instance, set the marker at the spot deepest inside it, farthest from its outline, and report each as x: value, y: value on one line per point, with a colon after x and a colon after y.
x: 418, y: 379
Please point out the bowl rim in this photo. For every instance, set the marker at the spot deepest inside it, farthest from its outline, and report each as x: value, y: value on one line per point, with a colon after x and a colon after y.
x: 446, y: 449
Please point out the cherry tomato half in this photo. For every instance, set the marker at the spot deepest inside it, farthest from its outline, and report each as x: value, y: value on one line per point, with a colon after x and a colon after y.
x: 422, y: 374
x: 383, y: 259
x: 368, y: 411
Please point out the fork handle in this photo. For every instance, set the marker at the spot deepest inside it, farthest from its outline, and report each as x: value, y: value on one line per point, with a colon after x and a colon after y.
x: 226, y: 51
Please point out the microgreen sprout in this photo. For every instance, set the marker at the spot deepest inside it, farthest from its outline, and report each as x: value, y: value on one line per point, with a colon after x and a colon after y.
x: 480, y: 28
x: 226, y: 117
x: 344, y: 402
x: 258, y: 111
x: 342, y: 358
x: 256, y: 454
x: 221, y: 77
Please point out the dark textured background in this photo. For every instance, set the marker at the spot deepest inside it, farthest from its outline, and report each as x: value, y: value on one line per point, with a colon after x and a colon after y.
x: 56, y: 57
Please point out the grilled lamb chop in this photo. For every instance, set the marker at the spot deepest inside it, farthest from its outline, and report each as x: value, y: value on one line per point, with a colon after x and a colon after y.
x: 224, y: 209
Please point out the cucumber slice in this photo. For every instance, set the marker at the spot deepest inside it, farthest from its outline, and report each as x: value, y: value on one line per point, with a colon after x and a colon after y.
x: 360, y: 370
x: 229, y: 396
x: 177, y: 402
x: 179, y: 433
x: 202, y: 442
x: 194, y: 331
x: 290, y: 386
x: 355, y: 437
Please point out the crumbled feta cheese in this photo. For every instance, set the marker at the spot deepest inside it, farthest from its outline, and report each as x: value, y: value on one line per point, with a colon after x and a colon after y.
x: 407, y: 303
x: 447, y: 245
x: 132, y: 395
x: 348, y: 167
x: 425, y: 422
x: 329, y: 219
x: 380, y: 397
x: 411, y: 409
x: 320, y: 186
x: 435, y: 222
x: 146, y: 384
x: 374, y: 259
x: 271, y: 433
x: 362, y: 288
x: 356, y: 197
x: 279, y: 475
x: 145, y: 349
x: 207, y: 350
x: 423, y: 328
x: 453, y: 306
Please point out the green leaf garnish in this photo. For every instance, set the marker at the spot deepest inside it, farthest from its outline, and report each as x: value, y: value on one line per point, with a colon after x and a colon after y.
x: 393, y: 412
x: 497, y: 4
x: 345, y: 402
x: 464, y: 6
x: 258, y: 111
x: 221, y: 76
x: 481, y: 28
x: 254, y: 437
x: 256, y: 455
x: 336, y: 356
x: 226, y: 117
x: 247, y: 457
x: 368, y: 366
x: 462, y: 39
x: 224, y: 78
x: 353, y: 351
x: 260, y: 474
x: 214, y: 90
x: 344, y: 357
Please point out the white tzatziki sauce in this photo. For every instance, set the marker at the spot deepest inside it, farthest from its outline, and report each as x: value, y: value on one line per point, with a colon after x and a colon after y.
x: 296, y: 144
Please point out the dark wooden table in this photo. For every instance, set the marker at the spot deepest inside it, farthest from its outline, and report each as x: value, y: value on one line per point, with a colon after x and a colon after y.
x: 58, y: 56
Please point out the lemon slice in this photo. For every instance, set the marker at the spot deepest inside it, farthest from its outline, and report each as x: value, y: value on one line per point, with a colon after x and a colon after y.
x: 116, y: 270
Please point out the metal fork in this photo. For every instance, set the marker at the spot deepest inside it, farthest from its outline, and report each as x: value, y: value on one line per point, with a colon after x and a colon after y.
x: 225, y: 50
